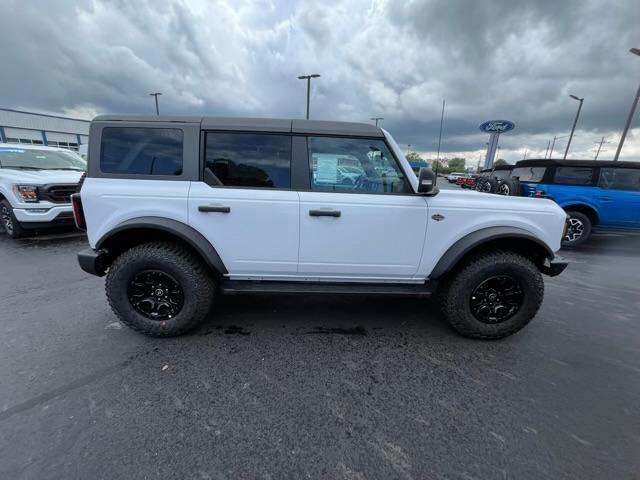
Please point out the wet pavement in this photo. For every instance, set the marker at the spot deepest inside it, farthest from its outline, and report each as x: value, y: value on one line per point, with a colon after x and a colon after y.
x: 318, y: 387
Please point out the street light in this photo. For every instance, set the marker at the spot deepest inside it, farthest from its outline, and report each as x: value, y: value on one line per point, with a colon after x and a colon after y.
x: 376, y: 119
x: 308, y: 79
x: 575, y: 121
x: 554, y: 143
x: 635, y: 51
x: 155, y: 94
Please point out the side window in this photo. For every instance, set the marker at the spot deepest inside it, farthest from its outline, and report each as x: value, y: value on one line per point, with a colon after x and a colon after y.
x: 620, y: 179
x: 354, y: 165
x: 248, y: 160
x: 574, y: 175
x: 141, y: 151
x: 529, y: 174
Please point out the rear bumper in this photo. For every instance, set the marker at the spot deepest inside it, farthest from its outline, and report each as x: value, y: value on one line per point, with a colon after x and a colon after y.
x: 554, y: 267
x: 93, y: 262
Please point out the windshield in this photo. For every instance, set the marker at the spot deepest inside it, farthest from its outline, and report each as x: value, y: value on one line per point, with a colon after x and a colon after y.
x: 34, y: 159
x: 529, y: 174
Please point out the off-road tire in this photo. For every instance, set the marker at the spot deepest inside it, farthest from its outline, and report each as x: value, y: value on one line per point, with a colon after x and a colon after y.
x: 13, y: 229
x: 455, y: 294
x: 512, y: 187
x: 492, y: 185
x: 170, y: 258
x: 586, y: 232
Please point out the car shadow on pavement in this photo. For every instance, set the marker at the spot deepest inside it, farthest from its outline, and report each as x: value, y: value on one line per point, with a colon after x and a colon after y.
x: 317, y: 315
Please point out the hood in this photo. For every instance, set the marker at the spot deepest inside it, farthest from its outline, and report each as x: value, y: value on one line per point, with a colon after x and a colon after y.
x: 39, y: 177
x: 472, y: 200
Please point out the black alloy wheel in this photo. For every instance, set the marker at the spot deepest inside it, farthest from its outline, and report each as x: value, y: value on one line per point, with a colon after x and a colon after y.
x: 155, y: 295
x: 496, y: 299
x: 504, y: 189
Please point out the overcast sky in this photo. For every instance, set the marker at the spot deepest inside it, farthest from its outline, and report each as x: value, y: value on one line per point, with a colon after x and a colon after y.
x: 497, y: 59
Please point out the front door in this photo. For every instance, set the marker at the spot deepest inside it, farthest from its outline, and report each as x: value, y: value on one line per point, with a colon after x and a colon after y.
x: 245, y: 206
x: 360, y: 220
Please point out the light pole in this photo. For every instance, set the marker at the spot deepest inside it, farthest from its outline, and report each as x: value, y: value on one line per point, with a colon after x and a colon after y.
x: 575, y: 121
x: 635, y: 51
x: 599, y: 147
x: 439, y: 140
x: 547, y: 150
x: 308, y: 79
x: 377, y: 119
x: 155, y: 95
x: 554, y: 143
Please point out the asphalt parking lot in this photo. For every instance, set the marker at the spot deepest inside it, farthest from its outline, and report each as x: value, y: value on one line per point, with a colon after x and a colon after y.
x: 318, y: 387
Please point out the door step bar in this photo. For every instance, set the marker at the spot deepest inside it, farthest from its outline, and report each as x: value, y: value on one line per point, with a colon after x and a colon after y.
x: 235, y: 287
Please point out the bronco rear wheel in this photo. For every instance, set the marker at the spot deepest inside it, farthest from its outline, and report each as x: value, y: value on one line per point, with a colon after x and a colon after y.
x: 578, y: 229
x: 493, y: 296
x: 161, y: 289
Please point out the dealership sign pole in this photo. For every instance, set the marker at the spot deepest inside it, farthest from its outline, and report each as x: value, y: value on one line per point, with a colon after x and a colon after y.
x: 494, y: 128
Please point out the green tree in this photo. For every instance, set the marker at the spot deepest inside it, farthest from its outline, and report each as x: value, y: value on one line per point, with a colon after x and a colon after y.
x: 414, y: 157
x: 440, y: 167
x: 499, y: 162
x: 457, y: 165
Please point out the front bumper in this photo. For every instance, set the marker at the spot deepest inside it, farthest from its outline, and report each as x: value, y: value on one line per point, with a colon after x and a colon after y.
x: 31, y: 217
x: 554, y: 267
x: 93, y: 262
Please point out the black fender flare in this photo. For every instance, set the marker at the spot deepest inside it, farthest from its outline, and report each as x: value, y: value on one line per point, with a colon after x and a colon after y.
x: 474, y: 239
x: 181, y: 230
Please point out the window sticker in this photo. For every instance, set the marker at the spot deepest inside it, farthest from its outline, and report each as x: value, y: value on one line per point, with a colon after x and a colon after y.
x: 326, y: 169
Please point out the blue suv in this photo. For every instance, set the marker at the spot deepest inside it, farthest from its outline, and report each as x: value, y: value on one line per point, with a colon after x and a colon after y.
x: 597, y: 195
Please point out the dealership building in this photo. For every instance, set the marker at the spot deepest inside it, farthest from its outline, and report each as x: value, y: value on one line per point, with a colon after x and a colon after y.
x: 17, y: 126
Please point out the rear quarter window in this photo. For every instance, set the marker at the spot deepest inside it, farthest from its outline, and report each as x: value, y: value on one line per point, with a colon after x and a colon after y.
x: 573, y: 175
x: 529, y: 174
x: 141, y: 151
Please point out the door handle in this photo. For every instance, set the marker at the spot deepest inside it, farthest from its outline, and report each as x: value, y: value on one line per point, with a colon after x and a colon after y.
x: 324, y: 213
x: 214, y: 209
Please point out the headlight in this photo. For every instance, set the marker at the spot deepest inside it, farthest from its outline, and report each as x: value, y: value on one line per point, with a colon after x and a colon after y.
x: 26, y: 193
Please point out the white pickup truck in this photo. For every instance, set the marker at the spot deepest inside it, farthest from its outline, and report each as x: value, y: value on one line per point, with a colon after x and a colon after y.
x: 36, y: 184
x: 179, y: 209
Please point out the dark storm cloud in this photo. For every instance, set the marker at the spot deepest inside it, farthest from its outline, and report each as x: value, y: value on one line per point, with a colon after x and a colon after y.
x: 395, y: 58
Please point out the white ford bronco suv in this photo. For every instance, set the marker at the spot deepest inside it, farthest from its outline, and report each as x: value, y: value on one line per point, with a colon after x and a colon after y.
x: 179, y: 209
x: 36, y: 184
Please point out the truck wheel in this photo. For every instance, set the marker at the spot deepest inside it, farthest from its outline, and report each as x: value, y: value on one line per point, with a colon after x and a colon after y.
x: 9, y: 222
x: 490, y: 185
x: 578, y: 231
x: 160, y: 289
x: 493, y: 296
x: 508, y: 187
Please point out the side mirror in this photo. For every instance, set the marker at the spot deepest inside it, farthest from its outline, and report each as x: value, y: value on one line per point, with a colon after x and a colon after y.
x: 427, y: 183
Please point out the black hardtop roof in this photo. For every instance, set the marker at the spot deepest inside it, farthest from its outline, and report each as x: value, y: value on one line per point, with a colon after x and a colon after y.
x: 542, y: 162
x: 320, y: 127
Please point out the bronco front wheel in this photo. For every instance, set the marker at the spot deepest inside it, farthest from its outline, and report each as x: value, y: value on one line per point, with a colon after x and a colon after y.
x: 493, y: 296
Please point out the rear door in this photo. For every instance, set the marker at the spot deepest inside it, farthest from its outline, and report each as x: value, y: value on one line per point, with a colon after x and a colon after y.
x: 244, y: 203
x: 359, y: 220
x: 619, y: 196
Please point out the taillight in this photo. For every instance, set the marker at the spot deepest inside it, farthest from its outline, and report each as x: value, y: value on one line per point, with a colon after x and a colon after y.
x: 539, y: 193
x: 78, y: 212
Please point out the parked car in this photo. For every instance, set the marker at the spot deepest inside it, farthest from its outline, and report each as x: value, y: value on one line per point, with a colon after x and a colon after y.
x: 452, y: 177
x: 597, y: 195
x: 177, y: 210
x: 497, y: 180
x: 468, y: 181
x: 36, y: 184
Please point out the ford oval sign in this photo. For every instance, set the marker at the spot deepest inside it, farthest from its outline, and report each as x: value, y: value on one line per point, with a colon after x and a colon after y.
x: 497, y: 126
